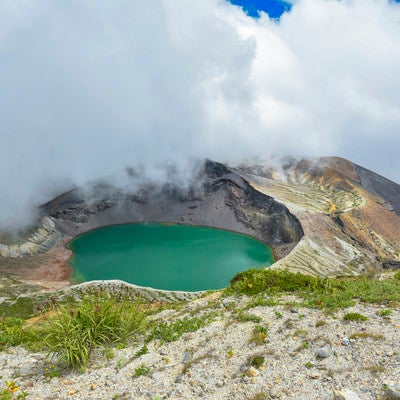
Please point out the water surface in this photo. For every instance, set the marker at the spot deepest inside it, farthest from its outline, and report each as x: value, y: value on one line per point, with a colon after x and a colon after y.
x: 166, y: 256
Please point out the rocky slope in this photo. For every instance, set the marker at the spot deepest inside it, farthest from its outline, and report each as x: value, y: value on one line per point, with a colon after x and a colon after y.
x: 322, y: 217
x: 302, y: 354
x: 350, y: 216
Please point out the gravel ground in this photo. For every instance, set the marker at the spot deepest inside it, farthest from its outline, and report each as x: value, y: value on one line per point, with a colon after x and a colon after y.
x: 307, y: 355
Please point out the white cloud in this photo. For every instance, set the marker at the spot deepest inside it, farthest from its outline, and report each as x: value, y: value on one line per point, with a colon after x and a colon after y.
x: 89, y: 87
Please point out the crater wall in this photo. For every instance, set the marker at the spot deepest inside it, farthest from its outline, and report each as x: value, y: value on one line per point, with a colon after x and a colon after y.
x: 219, y: 198
x: 222, y: 200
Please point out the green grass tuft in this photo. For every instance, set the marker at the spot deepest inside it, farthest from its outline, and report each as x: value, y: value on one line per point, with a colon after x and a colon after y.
x: 169, y: 332
x: 354, y: 316
x: 142, y: 370
x: 14, y: 333
x: 248, y: 317
x: 260, y: 332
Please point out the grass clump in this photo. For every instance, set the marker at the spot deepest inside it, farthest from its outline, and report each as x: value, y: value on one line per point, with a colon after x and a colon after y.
x: 260, y: 301
x: 11, y: 333
x: 256, y: 361
x: 384, y: 313
x: 248, y: 317
x: 260, y: 332
x: 11, y: 391
x: 14, y: 333
x: 143, y: 350
x: 303, y: 346
x: 367, y: 335
x: 142, y: 370
x: 309, y: 364
x: 169, y: 332
x: 354, y: 316
x: 100, y: 318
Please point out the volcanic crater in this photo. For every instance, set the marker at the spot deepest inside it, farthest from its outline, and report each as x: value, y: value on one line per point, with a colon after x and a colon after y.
x: 219, y: 199
x: 324, y: 216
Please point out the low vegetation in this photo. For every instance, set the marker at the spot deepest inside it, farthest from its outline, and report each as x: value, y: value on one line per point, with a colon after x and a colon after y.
x: 354, y: 316
x: 169, y: 332
x: 316, y: 292
x: 69, y: 330
x: 99, y: 319
x: 142, y: 370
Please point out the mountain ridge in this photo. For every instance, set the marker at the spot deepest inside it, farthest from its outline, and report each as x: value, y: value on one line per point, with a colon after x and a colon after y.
x: 325, y: 216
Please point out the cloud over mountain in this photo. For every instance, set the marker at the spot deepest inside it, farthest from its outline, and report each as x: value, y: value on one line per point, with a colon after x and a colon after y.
x: 88, y: 88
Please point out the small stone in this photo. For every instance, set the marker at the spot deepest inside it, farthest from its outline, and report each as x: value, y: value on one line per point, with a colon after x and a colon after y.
x: 345, y: 341
x: 294, y: 310
x: 323, y: 352
x: 179, y: 379
x: 315, y: 375
x: 186, y: 357
x: 393, y: 392
x: 345, y: 394
x: 220, y: 384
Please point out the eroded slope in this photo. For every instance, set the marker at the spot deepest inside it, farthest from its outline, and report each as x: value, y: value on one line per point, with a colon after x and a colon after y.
x: 347, y: 228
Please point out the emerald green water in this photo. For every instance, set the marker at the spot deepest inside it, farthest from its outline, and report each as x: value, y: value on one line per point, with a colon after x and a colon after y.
x: 166, y: 256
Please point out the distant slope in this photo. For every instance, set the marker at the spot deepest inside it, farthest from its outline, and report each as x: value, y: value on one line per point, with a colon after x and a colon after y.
x: 380, y: 186
x: 350, y: 215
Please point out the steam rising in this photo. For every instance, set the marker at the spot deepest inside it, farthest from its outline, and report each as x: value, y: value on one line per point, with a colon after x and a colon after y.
x: 89, y: 88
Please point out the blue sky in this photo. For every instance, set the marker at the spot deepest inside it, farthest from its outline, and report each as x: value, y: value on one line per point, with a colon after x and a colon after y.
x: 274, y: 8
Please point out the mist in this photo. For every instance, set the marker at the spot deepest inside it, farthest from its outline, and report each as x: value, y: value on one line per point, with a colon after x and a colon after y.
x: 90, y: 88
